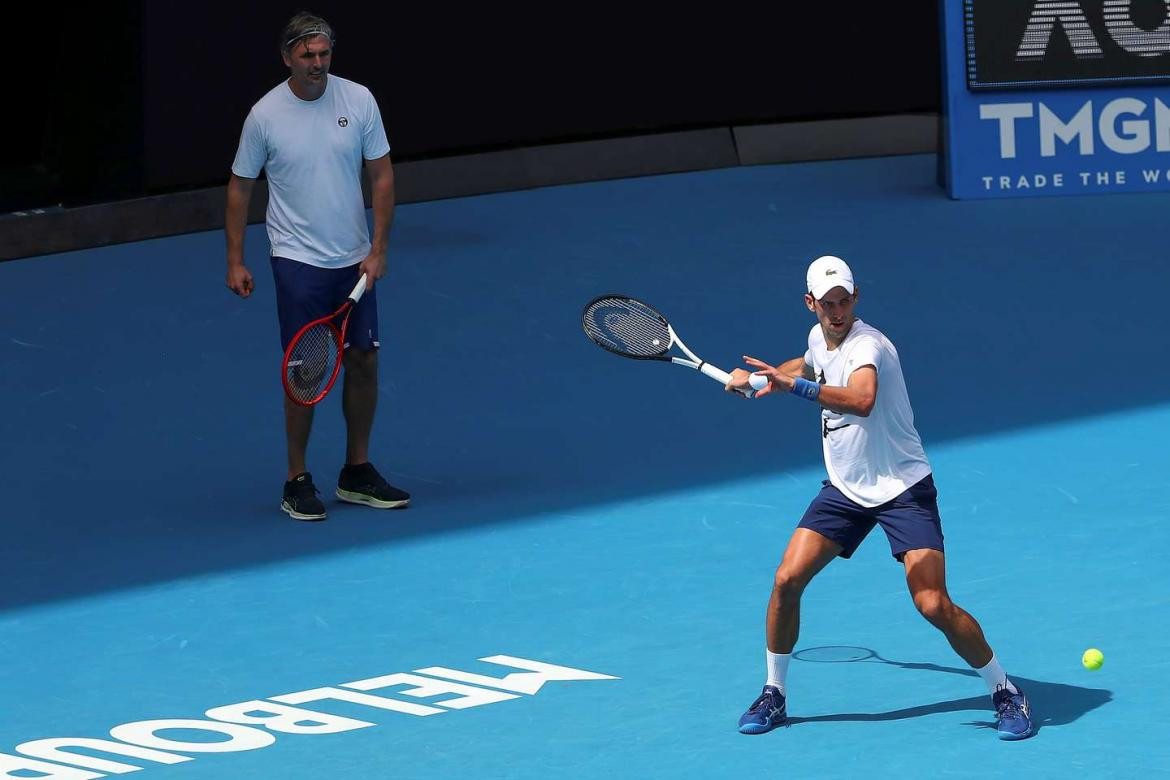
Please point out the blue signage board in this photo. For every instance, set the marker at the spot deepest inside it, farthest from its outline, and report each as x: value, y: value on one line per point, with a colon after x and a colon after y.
x: 1055, y: 97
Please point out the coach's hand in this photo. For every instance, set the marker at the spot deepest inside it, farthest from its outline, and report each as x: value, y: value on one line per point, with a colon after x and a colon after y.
x: 374, y: 266
x: 239, y: 280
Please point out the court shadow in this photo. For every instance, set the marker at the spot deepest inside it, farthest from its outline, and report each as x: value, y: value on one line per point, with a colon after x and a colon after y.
x: 1053, y: 704
x: 151, y: 449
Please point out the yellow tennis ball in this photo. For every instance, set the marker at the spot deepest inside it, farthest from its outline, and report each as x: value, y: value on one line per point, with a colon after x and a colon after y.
x: 1092, y: 659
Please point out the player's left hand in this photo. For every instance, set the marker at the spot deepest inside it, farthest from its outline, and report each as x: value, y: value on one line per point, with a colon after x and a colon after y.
x: 374, y: 266
x: 777, y: 380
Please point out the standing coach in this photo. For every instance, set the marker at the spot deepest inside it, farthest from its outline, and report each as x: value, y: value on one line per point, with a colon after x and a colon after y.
x: 311, y: 134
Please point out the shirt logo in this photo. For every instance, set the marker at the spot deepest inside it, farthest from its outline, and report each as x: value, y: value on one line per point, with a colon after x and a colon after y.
x: 826, y: 430
x: 342, y: 121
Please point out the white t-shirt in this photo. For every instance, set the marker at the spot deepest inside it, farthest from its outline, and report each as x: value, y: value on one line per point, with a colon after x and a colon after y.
x: 869, y: 459
x: 312, y: 151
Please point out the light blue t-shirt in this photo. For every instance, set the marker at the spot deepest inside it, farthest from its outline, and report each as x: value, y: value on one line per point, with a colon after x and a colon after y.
x: 312, y: 151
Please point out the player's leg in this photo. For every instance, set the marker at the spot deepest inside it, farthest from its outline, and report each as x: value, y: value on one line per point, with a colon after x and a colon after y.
x: 832, y: 526
x: 359, y: 482
x: 926, y: 578
x: 808, y: 552
x: 914, y: 528
x: 913, y: 525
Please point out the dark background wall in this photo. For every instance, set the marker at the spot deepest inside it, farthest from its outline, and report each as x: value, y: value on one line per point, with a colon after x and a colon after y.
x: 74, y: 110
x: 148, y: 97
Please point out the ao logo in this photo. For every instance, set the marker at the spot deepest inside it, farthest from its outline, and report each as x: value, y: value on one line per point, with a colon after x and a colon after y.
x: 1068, y: 14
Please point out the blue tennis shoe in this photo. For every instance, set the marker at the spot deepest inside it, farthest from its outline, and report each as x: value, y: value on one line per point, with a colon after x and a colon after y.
x: 1013, y: 716
x: 766, y: 713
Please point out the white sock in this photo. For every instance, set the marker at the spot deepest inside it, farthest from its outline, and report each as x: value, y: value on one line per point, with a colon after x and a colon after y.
x: 778, y: 668
x: 995, y: 677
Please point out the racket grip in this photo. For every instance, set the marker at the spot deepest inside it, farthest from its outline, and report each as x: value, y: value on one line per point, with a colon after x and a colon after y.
x: 722, y: 377
x: 359, y: 289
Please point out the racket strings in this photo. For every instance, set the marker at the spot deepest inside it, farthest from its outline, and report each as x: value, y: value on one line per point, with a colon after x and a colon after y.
x: 628, y: 327
x: 312, y: 362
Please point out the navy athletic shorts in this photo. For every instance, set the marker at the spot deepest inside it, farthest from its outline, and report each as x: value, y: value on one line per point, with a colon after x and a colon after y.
x: 305, y: 292
x: 910, y: 520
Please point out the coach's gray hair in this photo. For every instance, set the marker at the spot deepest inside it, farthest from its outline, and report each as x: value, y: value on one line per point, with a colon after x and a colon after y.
x: 304, y: 25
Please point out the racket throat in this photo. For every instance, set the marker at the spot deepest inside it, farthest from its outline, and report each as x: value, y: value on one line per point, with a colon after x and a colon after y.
x: 719, y: 375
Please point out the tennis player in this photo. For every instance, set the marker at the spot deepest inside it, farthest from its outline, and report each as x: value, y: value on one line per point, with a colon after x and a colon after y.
x: 878, y: 475
x: 311, y: 135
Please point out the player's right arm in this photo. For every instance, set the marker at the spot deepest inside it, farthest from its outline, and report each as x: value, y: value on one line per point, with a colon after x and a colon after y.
x: 794, y: 368
x: 239, y: 194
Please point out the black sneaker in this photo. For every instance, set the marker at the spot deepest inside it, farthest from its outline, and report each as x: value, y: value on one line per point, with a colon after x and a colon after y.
x: 362, y: 484
x: 300, y: 498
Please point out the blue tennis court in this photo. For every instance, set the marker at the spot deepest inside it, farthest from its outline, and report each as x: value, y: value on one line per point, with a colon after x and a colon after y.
x: 601, y: 530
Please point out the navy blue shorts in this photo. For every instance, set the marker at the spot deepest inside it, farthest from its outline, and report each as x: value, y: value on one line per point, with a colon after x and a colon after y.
x: 911, y: 520
x: 305, y: 292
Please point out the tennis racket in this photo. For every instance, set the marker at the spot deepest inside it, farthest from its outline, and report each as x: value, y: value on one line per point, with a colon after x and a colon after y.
x: 313, y: 358
x: 633, y: 329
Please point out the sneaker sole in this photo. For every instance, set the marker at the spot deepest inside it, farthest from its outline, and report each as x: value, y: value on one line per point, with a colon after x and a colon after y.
x: 756, y: 728
x: 294, y: 514
x: 1009, y: 737
x: 377, y: 503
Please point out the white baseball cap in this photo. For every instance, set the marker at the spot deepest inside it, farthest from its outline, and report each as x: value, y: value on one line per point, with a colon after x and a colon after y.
x: 827, y: 272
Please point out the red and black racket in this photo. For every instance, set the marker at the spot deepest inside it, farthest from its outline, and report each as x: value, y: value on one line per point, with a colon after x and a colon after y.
x: 313, y: 358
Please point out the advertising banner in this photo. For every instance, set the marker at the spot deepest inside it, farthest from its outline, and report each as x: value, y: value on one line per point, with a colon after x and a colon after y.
x: 1055, y: 97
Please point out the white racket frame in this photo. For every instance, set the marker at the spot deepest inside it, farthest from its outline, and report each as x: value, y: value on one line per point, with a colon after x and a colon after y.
x: 758, y: 381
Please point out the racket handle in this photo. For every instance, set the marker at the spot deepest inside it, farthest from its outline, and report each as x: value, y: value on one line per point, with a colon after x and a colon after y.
x: 722, y: 377
x: 358, y: 290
